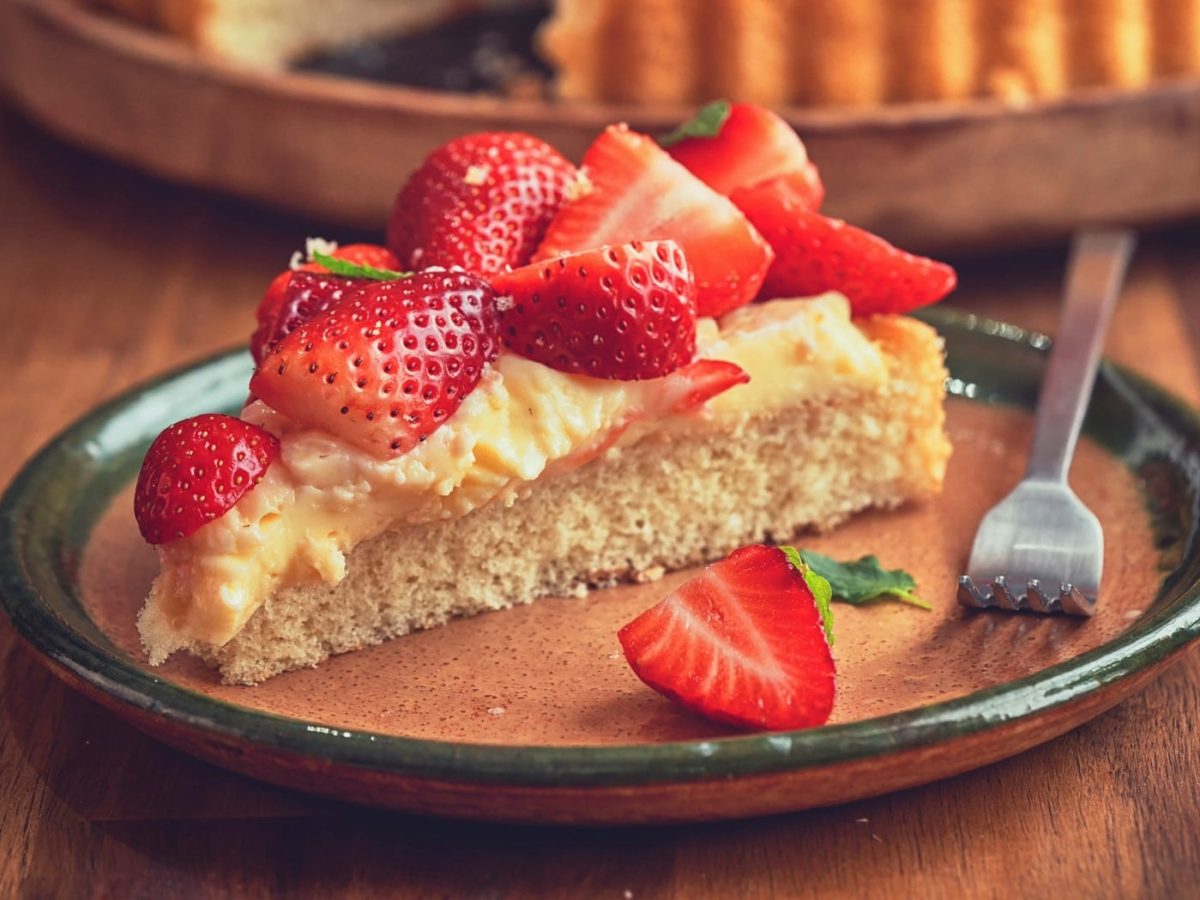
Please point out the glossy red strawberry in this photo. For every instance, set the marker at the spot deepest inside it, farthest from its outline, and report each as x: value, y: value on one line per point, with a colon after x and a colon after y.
x: 634, y: 191
x: 690, y: 387
x: 802, y: 188
x: 389, y: 364
x: 304, y: 298
x: 741, y: 643
x: 752, y: 145
x: 626, y: 312
x: 304, y: 295
x: 814, y: 253
x: 481, y: 202
x: 195, y: 471
x: 372, y: 255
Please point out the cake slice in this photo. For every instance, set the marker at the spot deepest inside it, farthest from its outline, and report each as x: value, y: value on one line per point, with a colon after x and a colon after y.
x: 838, y: 416
x: 438, y: 443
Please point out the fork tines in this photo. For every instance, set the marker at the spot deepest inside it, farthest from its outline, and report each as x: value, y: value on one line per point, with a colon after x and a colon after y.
x: 1000, y: 595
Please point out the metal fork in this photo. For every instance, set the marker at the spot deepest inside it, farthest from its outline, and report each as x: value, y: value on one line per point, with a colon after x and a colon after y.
x: 1040, y: 548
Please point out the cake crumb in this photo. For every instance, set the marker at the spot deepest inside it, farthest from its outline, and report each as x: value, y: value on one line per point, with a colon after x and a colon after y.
x: 497, y: 711
x: 654, y: 573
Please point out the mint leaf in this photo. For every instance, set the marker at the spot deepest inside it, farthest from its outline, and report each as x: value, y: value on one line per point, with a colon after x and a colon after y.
x: 707, y: 123
x: 354, y: 270
x: 864, y: 580
x: 821, y: 591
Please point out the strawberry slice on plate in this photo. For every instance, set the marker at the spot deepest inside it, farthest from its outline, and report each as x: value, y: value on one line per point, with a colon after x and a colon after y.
x: 195, y: 471
x: 743, y: 643
x: 814, y: 253
x: 481, y: 202
x: 728, y: 146
x: 389, y: 364
x: 631, y: 190
x: 626, y: 312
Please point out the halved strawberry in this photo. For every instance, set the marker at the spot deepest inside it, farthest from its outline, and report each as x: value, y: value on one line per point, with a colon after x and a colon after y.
x: 752, y: 144
x: 743, y: 643
x: 389, y: 364
x: 280, y: 294
x: 481, y: 202
x: 195, y: 471
x: 633, y: 191
x: 814, y: 253
x: 626, y: 312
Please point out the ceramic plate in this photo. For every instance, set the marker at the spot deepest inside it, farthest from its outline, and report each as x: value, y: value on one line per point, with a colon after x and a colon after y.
x: 928, y: 176
x: 531, y: 714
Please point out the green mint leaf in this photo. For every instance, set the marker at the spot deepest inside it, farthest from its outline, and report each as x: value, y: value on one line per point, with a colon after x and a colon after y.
x: 707, y: 123
x: 864, y: 580
x: 821, y: 591
x: 354, y: 270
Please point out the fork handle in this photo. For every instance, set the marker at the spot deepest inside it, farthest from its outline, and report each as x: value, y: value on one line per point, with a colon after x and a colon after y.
x: 1097, y: 268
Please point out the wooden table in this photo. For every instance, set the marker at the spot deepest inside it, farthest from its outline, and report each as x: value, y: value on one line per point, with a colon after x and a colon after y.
x: 107, y: 277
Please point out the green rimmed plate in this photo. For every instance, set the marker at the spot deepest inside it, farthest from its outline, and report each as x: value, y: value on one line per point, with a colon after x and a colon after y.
x: 531, y: 715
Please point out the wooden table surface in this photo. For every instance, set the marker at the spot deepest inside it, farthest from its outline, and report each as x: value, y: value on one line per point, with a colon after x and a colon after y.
x: 108, y: 277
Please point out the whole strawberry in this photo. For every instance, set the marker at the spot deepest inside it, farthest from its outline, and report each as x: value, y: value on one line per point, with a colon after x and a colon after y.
x: 303, y: 295
x: 195, y: 471
x: 481, y: 202
x: 293, y: 296
x: 744, y: 146
x: 626, y: 312
x: 389, y: 364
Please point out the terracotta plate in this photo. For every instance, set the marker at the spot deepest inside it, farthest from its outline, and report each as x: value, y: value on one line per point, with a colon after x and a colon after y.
x: 531, y: 714
x: 931, y: 177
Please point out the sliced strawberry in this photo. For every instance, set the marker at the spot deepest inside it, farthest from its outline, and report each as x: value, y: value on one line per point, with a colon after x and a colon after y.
x: 752, y: 145
x: 481, y: 202
x: 695, y: 384
x: 389, y: 364
x: 195, y: 471
x: 743, y: 643
x: 625, y: 312
x: 814, y: 254
x: 634, y: 191
x: 280, y: 295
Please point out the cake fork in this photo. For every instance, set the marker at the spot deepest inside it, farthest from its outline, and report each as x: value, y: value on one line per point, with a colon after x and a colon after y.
x: 1040, y: 548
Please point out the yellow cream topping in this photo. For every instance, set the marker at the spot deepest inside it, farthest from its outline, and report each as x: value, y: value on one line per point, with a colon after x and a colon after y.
x: 322, y: 496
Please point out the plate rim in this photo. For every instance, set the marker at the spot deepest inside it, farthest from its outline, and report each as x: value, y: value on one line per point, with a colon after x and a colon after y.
x: 1159, y: 634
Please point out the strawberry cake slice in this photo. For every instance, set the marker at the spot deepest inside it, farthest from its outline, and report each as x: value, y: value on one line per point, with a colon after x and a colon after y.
x: 551, y: 378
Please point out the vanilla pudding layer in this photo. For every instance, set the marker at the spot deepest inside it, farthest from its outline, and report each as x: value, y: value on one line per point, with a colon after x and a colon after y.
x: 542, y: 483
